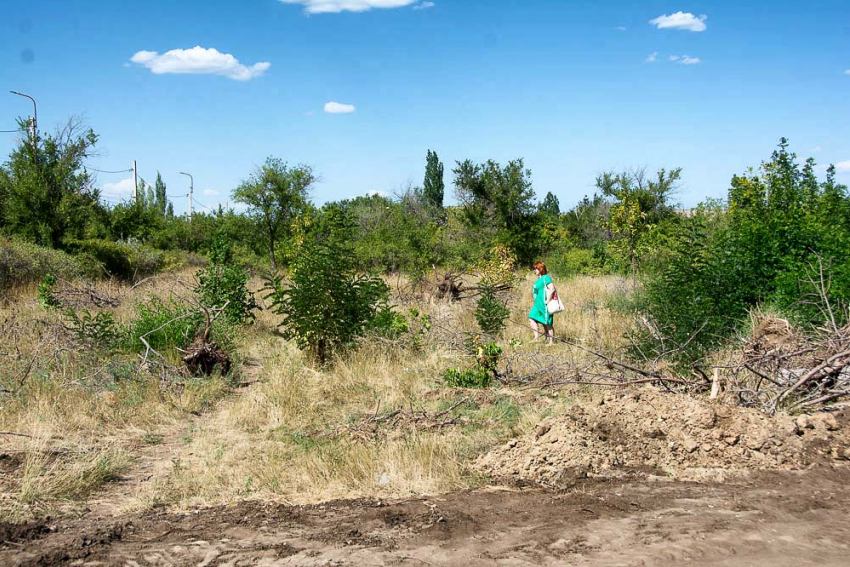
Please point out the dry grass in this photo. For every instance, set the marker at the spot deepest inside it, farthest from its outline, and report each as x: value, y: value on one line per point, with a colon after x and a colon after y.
x: 71, y: 415
x: 289, y: 437
x: 280, y: 439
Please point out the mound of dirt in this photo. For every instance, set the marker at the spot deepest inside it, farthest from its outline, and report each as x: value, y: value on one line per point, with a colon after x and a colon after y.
x: 674, y: 435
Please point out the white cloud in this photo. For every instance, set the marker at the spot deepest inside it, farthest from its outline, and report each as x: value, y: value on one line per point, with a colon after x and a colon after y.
x: 843, y: 166
x: 424, y: 6
x: 123, y: 188
x: 377, y: 194
x: 334, y: 6
x: 816, y: 149
x: 210, y: 192
x: 620, y: 28
x: 847, y: 72
x: 653, y: 57
x: 338, y: 108
x: 199, y: 61
x: 680, y: 21
x: 684, y: 59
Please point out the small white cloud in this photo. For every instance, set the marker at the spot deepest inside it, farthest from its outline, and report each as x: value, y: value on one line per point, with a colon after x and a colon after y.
x: 335, y: 6
x: 816, y: 149
x: 123, y: 188
x: 338, y: 108
x: 620, y: 28
x: 377, y: 194
x: 843, y: 166
x: 684, y: 59
x: 847, y: 72
x: 210, y: 192
x: 424, y: 6
x: 199, y: 61
x: 680, y: 21
x: 653, y: 57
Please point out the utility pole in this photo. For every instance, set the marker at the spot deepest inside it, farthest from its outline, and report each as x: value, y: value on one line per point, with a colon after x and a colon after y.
x: 191, y: 190
x: 135, y: 183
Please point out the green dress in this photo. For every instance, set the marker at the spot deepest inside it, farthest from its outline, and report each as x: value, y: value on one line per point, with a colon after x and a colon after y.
x: 539, y: 312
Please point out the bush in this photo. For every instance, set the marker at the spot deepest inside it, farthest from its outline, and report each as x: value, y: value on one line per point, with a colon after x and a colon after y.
x: 577, y: 262
x: 125, y: 261
x: 327, y: 304
x: 22, y: 263
x: 98, y: 329
x: 224, y: 283
x: 482, y: 373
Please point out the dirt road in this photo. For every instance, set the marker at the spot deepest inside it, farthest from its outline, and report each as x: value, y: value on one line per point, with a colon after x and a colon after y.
x: 771, y: 519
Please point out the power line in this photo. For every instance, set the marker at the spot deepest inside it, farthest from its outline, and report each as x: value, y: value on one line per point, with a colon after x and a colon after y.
x: 103, y: 171
x: 9, y: 131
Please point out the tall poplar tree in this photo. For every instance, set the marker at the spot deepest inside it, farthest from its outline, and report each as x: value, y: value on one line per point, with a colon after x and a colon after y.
x: 433, y: 187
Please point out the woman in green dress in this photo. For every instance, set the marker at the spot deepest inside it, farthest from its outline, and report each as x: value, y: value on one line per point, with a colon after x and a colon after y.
x: 539, y: 315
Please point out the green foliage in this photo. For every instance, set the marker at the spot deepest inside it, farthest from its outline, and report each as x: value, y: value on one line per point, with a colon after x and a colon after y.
x: 45, y: 292
x: 224, y: 283
x: 48, y: 195
x: 163, y: 324
x: 497, y: 203
x: 640, y: 204
x: 22, y: 262
x: 491, y: 312
x: 125, y: 261
x: 782, y: 226
x: 578, y: 261
x: 550, y: 206
x: 433, y: 187
x: 94, y: 329
x: 327, y: 304
x: 482, y: 373
x: 275, y: 194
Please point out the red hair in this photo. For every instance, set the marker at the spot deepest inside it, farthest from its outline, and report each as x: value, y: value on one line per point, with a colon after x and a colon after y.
x: 542, y: 267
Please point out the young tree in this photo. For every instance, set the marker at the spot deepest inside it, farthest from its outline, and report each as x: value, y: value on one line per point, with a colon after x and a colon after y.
x: 275, y: 193
x: 433, y: 186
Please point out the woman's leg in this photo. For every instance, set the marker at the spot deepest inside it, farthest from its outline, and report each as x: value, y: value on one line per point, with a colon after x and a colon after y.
x: 549, y: 331
x: 533, y: 324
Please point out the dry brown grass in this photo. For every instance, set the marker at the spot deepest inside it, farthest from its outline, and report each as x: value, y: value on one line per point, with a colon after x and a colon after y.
x: 288, y: 437
x: 277, y: 440
x: 71, y: 415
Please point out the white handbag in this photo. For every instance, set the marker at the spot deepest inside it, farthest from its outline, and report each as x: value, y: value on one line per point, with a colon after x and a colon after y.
x: 555, y: 305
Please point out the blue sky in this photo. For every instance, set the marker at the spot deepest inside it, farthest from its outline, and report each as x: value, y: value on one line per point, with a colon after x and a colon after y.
x: 574, y: 87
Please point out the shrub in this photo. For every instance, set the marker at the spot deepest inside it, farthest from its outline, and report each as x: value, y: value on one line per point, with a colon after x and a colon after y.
x: 327, y: 304
x: 21, y: 262
x: 487, y: 357
x: 126, y: 261
x: 223, y: 283
x: 577, y: 262
x: 98, y: 329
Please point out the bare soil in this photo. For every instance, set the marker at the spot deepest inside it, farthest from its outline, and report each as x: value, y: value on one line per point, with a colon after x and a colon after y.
x: 771, y: 519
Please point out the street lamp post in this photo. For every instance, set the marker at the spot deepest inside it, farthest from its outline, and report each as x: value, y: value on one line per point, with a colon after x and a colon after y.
x: 191, y: 190
x: 34, y: 123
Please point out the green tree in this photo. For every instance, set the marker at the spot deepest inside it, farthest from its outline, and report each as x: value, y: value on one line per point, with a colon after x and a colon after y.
x: 640, y: 203
x: 275, y: 193
x: 433, y: 186
x: 550, y: 206
x: 48, y: 194
x: 160, y: 194
x: 499, y: 201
